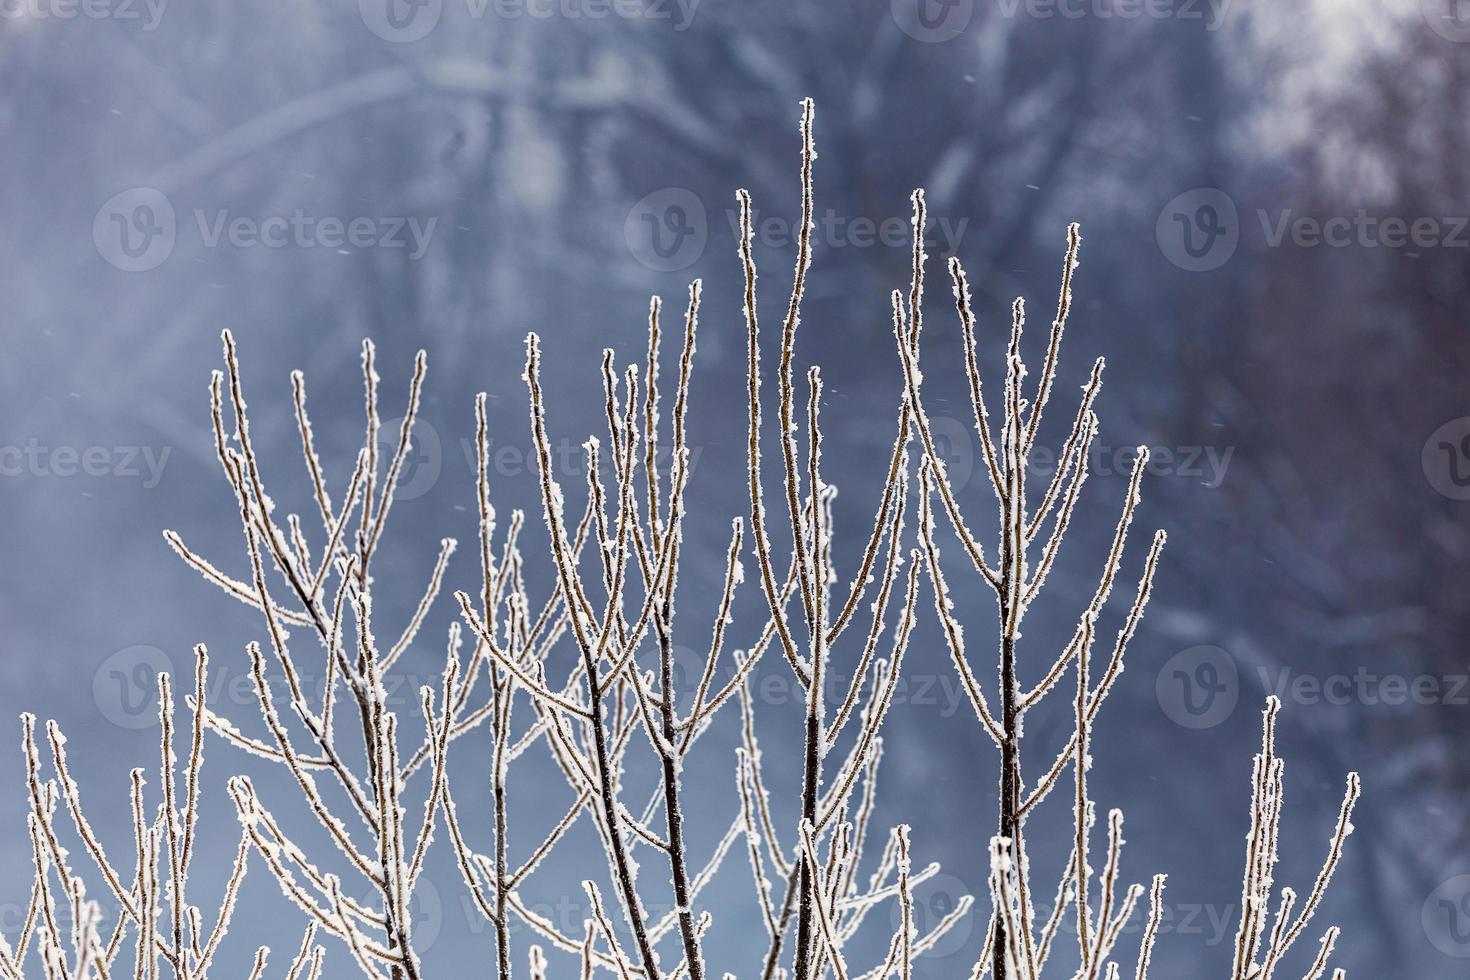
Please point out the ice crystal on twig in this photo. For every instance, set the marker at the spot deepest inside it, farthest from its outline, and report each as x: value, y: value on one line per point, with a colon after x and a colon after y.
x: 620, y: 721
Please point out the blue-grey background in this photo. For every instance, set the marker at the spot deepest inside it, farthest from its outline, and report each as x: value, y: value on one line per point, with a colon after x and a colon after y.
x: 1273, y: 199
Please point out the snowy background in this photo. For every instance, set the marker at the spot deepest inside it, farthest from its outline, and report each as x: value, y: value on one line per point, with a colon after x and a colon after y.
x: 1274, y: 206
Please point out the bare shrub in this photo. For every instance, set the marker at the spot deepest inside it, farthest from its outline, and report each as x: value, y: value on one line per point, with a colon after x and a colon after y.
x: 817, y: 870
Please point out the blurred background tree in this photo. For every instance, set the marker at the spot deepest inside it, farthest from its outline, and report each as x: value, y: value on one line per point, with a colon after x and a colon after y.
x: 1321, y: 546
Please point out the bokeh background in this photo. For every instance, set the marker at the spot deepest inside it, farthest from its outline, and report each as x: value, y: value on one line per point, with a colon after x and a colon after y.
x: 1274, y: 207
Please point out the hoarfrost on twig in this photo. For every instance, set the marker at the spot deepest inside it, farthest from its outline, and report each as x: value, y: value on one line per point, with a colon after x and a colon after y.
x: 619, y: 720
